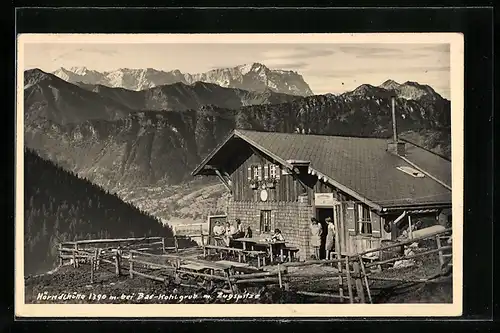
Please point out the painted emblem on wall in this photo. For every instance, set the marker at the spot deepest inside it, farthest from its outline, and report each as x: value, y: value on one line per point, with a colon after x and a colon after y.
x: 263, y: 195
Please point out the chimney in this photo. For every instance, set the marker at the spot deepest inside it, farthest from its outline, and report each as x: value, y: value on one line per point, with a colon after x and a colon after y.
x: 395, y: 146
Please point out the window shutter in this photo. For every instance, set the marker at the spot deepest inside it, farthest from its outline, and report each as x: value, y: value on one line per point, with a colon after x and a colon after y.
x: 375, y: 224
x: 278, y: 171
x: 266, y: 170
x: 259, y: 170
x: 351, y: 220
x: 249, y: 173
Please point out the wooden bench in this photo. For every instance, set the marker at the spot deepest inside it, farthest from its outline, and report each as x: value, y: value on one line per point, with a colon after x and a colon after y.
x: 222, y: 249
x: 289, y: 252
x: 260, y: 255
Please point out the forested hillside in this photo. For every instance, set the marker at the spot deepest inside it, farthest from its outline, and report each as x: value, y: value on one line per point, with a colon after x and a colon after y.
x: 59, y: 206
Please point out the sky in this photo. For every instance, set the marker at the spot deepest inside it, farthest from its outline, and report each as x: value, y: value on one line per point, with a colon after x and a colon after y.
x: 327, y: 68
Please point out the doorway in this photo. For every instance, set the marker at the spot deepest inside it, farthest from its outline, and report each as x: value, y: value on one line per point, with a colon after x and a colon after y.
x: 321, y: 215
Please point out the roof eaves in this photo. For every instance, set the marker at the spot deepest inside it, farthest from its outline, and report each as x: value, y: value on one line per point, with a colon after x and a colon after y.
x: 264, y: 150
x: 212, y: 154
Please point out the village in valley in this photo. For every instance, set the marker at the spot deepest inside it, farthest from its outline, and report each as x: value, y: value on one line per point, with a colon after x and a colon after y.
x: 309, y: 215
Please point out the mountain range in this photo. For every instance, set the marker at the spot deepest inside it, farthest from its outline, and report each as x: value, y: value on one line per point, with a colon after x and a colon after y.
x: 48, y: 96
x: 143, y: 144
x: 252, y: 77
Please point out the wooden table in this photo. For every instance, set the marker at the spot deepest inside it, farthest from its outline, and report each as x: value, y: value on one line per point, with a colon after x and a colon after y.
x: 259, y: 241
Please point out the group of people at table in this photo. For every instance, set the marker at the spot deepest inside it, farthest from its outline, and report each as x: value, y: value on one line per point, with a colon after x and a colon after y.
x: 230, y: 232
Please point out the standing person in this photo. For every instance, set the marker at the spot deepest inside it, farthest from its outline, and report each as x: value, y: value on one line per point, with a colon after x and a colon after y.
x: 316, y: 232
x: 330, y: 237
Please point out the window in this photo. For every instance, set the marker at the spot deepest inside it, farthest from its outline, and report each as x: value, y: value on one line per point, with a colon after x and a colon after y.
x: 255, y: 172
x: 265, y: 221
x: 411, y: 171
x: 272, y: 171
x: 364, y: 221
x: 267, y: 171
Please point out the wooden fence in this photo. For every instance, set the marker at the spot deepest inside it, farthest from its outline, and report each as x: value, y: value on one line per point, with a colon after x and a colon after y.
x: 352, y: 272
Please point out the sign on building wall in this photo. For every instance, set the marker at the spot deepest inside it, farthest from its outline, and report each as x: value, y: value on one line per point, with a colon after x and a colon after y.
x: 324, y: 199
x: 189, y: 230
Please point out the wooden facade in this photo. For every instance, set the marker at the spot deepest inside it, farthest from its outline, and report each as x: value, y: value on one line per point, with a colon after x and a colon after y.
x: 286, y: 186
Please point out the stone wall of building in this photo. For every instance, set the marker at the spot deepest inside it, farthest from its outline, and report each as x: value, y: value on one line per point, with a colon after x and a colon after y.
x: 292, y: 218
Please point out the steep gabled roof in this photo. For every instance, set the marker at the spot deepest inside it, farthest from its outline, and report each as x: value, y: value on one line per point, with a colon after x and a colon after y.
x: 361, y: 167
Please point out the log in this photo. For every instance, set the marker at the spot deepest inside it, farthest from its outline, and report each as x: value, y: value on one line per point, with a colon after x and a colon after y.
x: 379, y: 278
x: 375, y: 263
x: 366, y: 279
x: 358, y: 283
x: 269, y: 279
x: 73, y: 256
x: 208, y: 276
x: 406, y: 242
x: 156, y: 278
x: 254, y: 275
x: 148, y: 263
x: 310, y: 293
x: 311, y: 262
x: 116, y: 240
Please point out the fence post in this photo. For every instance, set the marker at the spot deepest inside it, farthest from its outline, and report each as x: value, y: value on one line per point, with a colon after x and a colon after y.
x: 74, y: 254
x: 358, y: 282
x: 438, y: 242
x: 366, y: 279
x: 279, y: 276
x: 176, y: 244
x: 131, y: 264
x: 60, y: 255
x: 91, y: 270
x: 349, y: 281
x: 163, y: 244
x: 117, y: 262
x: 96, y: 259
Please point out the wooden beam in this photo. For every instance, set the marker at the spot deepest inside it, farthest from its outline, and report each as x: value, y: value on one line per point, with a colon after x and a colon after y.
x: 223, y: 180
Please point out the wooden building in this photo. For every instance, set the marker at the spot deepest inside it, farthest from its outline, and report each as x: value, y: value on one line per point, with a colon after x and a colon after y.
x: 372, y: 188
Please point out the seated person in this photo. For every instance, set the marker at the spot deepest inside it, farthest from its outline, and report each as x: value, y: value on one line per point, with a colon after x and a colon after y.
x: 239, y: 229
x: 218, y: 233
x: 248, y: 233
x: 277, y: 236
x: 229, y: 234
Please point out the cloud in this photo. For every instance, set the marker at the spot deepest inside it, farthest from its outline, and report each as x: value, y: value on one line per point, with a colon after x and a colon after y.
x: 297, y: 52
x: 349, y: 73
x: 285, y: 64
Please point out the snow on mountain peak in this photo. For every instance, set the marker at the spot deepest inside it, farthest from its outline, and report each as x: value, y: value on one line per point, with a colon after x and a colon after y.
x: 252, y: 77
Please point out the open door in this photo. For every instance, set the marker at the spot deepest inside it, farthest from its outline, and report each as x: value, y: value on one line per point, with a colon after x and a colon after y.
x: 321, y: 215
